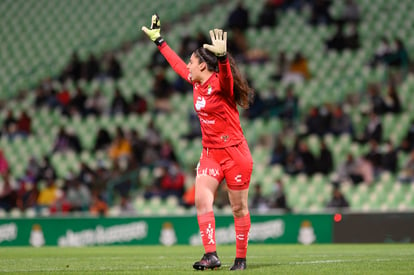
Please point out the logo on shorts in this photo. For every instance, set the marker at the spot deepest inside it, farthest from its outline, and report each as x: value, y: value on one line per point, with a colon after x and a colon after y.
x: 238, y: 178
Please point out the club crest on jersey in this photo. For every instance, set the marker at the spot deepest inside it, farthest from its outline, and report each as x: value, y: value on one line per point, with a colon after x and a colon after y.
x: 200, y: 103
x: 209, y: 90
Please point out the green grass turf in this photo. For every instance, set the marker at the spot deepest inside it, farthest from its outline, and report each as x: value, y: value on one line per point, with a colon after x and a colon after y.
x: 262, y: 259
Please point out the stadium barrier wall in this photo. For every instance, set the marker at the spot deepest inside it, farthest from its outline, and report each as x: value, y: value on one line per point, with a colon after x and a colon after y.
x: 92, y: 231
x: 374, y: 228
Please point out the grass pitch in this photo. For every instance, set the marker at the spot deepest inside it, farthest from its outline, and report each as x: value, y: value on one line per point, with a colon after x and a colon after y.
x: 262, y: 259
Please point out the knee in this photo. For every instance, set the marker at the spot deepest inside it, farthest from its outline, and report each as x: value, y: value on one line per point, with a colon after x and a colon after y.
x: 203, y: 205
x: 239, y: 209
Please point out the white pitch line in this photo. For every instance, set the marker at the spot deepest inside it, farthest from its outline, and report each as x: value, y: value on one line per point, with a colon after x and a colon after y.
x: 338, y: 261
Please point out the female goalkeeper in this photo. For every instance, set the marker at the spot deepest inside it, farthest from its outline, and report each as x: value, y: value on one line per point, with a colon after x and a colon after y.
x: 218, y: 87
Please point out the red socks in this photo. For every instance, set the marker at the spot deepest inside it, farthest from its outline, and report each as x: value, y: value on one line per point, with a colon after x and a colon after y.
x: 207, y: 224
x: 242, y: 227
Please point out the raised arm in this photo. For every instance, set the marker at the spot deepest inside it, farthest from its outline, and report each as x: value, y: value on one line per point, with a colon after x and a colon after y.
x: 219, y: 48
x: 176, y: 63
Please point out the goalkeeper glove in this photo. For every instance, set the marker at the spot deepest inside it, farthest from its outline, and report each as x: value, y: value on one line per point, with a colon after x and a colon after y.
x: 154, y: 32
x: 218, y: 41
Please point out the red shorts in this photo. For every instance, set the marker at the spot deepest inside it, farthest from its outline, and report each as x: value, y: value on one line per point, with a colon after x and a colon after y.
x: 233, y: 163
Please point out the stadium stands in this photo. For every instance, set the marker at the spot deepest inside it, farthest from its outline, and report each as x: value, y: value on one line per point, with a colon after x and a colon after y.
x: 40, y: 36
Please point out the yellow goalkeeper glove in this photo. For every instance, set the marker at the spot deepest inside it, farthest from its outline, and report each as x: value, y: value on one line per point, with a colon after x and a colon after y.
x: 219, y: 43
x: 154, y: 32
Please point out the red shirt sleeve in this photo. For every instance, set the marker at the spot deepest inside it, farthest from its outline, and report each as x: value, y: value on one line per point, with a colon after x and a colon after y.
x: 226, y: 77
x: 175, y: 61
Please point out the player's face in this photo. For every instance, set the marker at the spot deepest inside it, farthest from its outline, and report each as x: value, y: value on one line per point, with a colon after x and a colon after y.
x: 193, y: 67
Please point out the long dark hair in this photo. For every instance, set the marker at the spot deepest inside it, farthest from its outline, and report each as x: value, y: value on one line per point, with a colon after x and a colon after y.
x: 243, y: 93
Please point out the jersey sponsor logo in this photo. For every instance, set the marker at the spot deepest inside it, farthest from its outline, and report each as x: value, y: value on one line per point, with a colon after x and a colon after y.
x: 200, y: 103
x: 207, y: 121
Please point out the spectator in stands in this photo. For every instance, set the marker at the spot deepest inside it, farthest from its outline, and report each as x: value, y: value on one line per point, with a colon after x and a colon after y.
x: 258, y: 200
x: 24, y: 124
x: 173, y: 181
x: 389, y: 159
x: 167, y: 153
x: 374, y: 156
x: 157, y: 61
x: 74, y: 69
x: 341, y: 123
x: 120, y: 147
x: 8, y: 193
x: 258, y: 108
x: 392, y: 100
x: 98, y: 207
x: 279, y: 152
x: 320, y: 12
x: 399, y: 57
x: 103, y: 140
x: 267, y: 16
x: 409, y: 137
x: 281, y: 66
x: 407, y: 173
x: 61, y: 100
x: 96, y: 104
x: 46, y: 171
x: 77, y: 104
x: 91, y: 68
x: 325, y: 163
x: 126, y: 207
x: 114, y: 69
x: 314, y: 122
x: 372, y: 130
x: 154, y: 189
x: 307, y: 158
x: 78, y: 196
x: 66, y: 140
x: 294, y: 164
x: 338, y: 41
x: 162, y: 90
x: 290, y: 106
x: 356, y: 170
x: 86, y: 174
x: 377, y: 102
x: 10, y: 125
x: 278, y: 198
x: 238, y: 18
x: 194, y: 125
x: 151, y: 154
x: 352, y: 40
x: 119, y: 104
x: 4, y: 164
x: 338, y: 199
x: 382, y: 53
x: 350, y: 12
x: 138, y: 104
x: 298, y: 70
x: 27, y: 193
x: 49, y: 194
x: 138, y: 146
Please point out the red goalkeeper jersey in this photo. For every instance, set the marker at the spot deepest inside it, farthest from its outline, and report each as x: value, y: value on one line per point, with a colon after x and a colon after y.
x: 213, y: 101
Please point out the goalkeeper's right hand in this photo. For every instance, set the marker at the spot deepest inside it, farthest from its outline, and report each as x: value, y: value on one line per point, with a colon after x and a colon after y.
x: 154, y: 32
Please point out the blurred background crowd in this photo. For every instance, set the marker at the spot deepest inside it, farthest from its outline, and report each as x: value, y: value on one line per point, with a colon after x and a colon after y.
x: 94, y: 121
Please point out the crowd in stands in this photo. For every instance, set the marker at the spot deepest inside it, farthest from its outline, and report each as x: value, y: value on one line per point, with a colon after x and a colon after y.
x: 90, y: 189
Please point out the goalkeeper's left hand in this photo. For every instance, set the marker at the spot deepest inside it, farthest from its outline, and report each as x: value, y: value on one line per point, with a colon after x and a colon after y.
x: 154, y: 33
x: 219, y: 43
